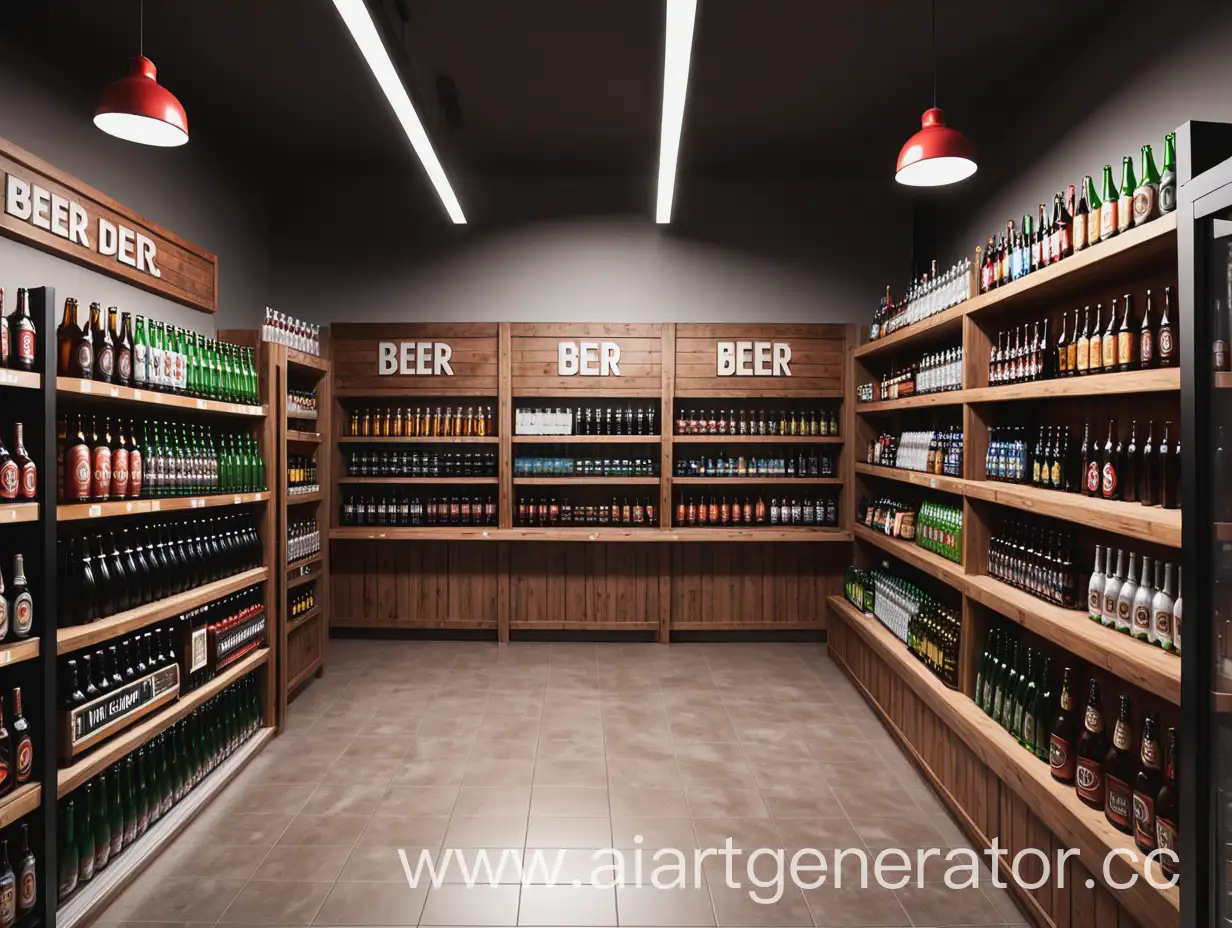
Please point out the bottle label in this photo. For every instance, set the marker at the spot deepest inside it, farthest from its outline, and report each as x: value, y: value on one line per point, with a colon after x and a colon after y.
x: 1110, y: 607
x: 1146, y: 347
x: 1108, y: 219
x: 1167, y: 196
x: 23, y: 614
x: 1109, y: 487
x: 29, y: 480
x: 25, y: 345
x: 78, y: 471
x: 102, y: 472
x: 1118, y: 805
x: 1089, y: 779
x: 1167, y: 836
x: 1165, y: 343
x: 119, y: 473
x: 1080, y: 230
x: 1144, y: 820
x: 106, y: 361
x: 85, y: 357
x: 1163, y: 628
x: 1055, y: 473
x: 10, y: 480
x: 139, y: 372
x: 4, y: 627
x: 1060, y: 758
x: 1146, y: 203
x: 1109, y: 352
x: 26, y: 889
x: 135, y: 474
x: 1093, y: 482
x: 1093, y: 720
x: 1095, y: 603
x: 1142, y: 621
x: 1125, y: 347
x: 1124, y: 622
x: 124, y: 364
x: 1125, y: 211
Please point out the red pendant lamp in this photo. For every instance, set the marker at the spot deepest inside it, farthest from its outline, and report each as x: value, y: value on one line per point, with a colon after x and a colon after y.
x: 936, y: 155
x: 138, y: 109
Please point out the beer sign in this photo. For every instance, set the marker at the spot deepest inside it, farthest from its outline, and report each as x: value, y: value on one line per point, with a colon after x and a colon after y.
x: 754, y: 359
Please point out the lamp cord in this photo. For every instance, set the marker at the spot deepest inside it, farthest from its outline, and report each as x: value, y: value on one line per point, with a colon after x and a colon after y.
x: 934, y: 7
x: 141, y: 32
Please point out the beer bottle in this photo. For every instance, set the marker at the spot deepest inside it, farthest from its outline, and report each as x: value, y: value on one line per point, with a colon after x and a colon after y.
x: 1129, y: 476
x: 1125, y: 341
x: 1167, y: 180
x: 74, y: 351
x: 982, y: 676
x: 1109, y: 350
x: 85, y: 836
x: 1169, y: 467
x: 102, y: 826
x: 1081, y: 362
x: 1095, y: 350
x: 66, y: 879
x: 131, y: 814
x: 27, y: 888
x: 1125, y: 204
x: 1146, y: 338
x: 22, y: 335
x: 124, y: 349
x: 1110, y: 478
x: 1146, y: 194
x: 1063, y: 349
x: 1109, y: 223
x: 1061, y: 757
x: 1119, y: 772
x: 8, y: 775
x: 8, y: 888
x: 1165, y: 339
x: 1081, y: 214
x: 1146, y: 787
x: 104, y: 350
x: 23, y: 747
x: 1042, y: 713
x: 1095, y: 220
x: 1168, y: 811
x: 1091, y: 751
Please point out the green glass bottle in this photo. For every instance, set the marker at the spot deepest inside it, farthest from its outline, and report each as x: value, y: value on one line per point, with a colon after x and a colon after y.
x: 1022, y: 707
x: 66, y: 878
x: 141, y: 356
x: 1000, y: 697
x: 1043, y: 712
x: 102, y: 826
x: 1167, y: 180
x: 115, y: 809
x: 254, y: 393
x: 981, y: 675
x: 1125, y: 203
x: 1109, y: 223
x: 85, y: 836
x: 1094, y: 205
x: 260, y: 481
x: 164, y: 777
x: 1146, y: 194
x: 130, y: 803
x: 187, y: 779
x: 143, y: 793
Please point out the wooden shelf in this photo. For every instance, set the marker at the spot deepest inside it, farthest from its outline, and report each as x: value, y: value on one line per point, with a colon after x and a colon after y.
x: 416, y: 481
x: 305, y: 561
x: 423, y: 392
x: 21, y: 801
x: 756, y: 440
x: 1057, y: 805
x: 932, y: 329
x: 587, y: 439
x: 1161, y: 380
x: 1131, y: 660
x: 944, y: 398
x: 1223, y: 380
x: 307, y: 437
x: 585, y: 481
x: 603, y: 533
x: 294, y: 624
x: 19, y: 651
x: 18, y: 512
x: 932, y: 564
x: 1150, y: 523
x: 301, y: 498
x: 416, y: 533
x: 74, y: 511
x: 23, y: 380
x: 465, y: 440
x: 917, y: 478
x: 102, y: 757
x: 753, y: 481
x: 94, y: 388
x: 766, y: 534
x: 75, y: 637
x: 310, y: 361
x: 293, y: 582
x: 304, y: 674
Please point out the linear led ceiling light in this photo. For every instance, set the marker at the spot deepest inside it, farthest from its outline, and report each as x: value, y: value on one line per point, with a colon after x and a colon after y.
x: 357, y: 18
x: 678, y: 49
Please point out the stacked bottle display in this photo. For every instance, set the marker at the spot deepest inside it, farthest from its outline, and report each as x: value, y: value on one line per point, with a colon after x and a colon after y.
x: 631, y: 465
x: 933, y: 635
x: 929, y: 452
x: 301, y: 603
x: 1080, y: 217
x: 1013, y: 686
x: 1136, y: 600
x: 101, y: 819
x: 930, y: 294
x: 216, y: 635
x: 94, y: 675
x: 936, y: 372
x: 642, y: 419
x: 796, y: 422
x: 301, y: 475
x: 18, y: 474
x: 422, y: 422
x: 694, y: 511
x: 17, y: 748
x: 107, y: 460
x: 18, y: 889
x: 792, y: 463
x: 303, y: 539
x: 405, y: 510
x: 1037, y: 559
x: 933, y: 526
x: 931, y: 630
x: 859, y: 586
x: 282, y: 329
x: 158, y: 357
x: 17, y: 606
x: 635, y: 512
x: 18, y: 335
x: 113, y: 572
x: 301, y: 404
x: 403, y: 463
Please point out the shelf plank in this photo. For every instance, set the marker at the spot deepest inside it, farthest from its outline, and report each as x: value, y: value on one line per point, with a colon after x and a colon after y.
x: 943, y: 398
x: 21, y: 801
x: 305, y: 561
x: 940, y: 482
x: 1134, y: 661
x: 585, y: 481
x: 1057, y: 805
x: 1160, y: 380
x: 1223, y: 380
x: 602, y: 533
x: 758, y: 389
x: 102, y: 757
x: 74, y: 511
x: 753, y: 481
x: 11, y: 513
x: 305, y: 437
x: 934, y: 327
x: 310, y: 361
x: 420, y: 440
x: 1150, y: 523
x: 293, y: 582
x: 932, y: 564
x: 587, y: 439
x: 304, y: 674
x: 431, y: 392
x: 110, y: 391
x: 301, y: 498
x: 756, y: 440
x: 413, y: 481
x: 22, y: 380
x: 75, y: 637
x: 295, y: 624
x: 19, y: 651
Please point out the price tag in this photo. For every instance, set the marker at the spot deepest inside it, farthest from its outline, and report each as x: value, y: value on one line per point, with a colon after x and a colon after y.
x: 6, y: 656
x: 7, y: 377
x: 202, y: 404
x: 94, y: 511
x: 128, y: 507
x: 84, y: 386
x: 9, y: 515
x: 114, y: 391
x: 593, y: 536
x: 196, y: 502
x: 932, y: 483
x: 484, y: 533
x: 139, y: 394
x: 156, y: 505
x: 238, y: 499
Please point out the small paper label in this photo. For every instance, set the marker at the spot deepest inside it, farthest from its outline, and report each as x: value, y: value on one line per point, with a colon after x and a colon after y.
x: 202, y: 404
x: 156, y: 505
x: 114, y: 391
x: 94, y: 511
x: 85, y: 386
x: 196, y: 503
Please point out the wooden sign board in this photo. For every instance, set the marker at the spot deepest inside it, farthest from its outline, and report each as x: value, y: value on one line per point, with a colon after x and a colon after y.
x: 56, y: 213
x: 438, y: 359
x: 586, y: 359
x: 759, y: 360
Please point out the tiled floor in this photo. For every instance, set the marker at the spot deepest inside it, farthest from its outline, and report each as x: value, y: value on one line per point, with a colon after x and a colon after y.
x: 578, y: 746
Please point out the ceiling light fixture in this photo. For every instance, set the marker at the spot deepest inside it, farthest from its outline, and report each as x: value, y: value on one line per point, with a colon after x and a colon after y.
x: 678, y: 49
x: 936, y: 155
x: 359, y: 21
x: 138, y: 109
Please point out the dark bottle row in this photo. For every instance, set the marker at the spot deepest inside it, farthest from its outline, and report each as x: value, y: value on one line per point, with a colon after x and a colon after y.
x: 18, y: 334
x: 930, y: 452
x: 935, y: 372
x: 216, y: 635
x: 1136, y: 602
x: 16, y: 747
x: 18, y: 889
x: 1036, y: 559
x: 934, y: 634
x: 756, y: 422
x: 642, y: 419
x: 692, y: 511
x: 1101, y: 464
x: 565, y: 465
x: 16, y: 603
x: 115, y: 572
x: 406, y: 510
x: 636, y: 513
x: 94, y: 675
x: 422, y: 422
x: 401, y: 463
x: 791, y: 464
x: 303, y: 539
x: 301, y: 471
x: 158, y: 357
x: 301, y: 602
x: 105, y: 816
x: 107, y: 460
x: 18, y: 475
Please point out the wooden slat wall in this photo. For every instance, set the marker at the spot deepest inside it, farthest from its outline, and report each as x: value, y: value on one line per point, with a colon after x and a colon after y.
x: 984, y: 805
x: 598, y: 587
x: 303, y: 648
x: 474, y: 361
x: 817, y: 357
x: 534, y: 360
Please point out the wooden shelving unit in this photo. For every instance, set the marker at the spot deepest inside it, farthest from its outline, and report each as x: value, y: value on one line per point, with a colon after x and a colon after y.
x: 755, y: 481
x: 585, y: 481
x: 420, y: 481
x: 76, y: 511
x: 129, y: 395
x: 417, y: 440
x: 17, y: 652
x: 20, y: 802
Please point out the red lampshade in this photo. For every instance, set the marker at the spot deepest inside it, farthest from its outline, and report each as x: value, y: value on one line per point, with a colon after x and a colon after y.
x: 139, y: 109
x: 936, y: 155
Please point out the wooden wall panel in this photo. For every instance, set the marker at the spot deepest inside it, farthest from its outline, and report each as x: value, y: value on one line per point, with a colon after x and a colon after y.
x: 594, y: 587
x: 414, y: 584
x: 474, y: 362
x: 818, y: 353
x: 534, y: 359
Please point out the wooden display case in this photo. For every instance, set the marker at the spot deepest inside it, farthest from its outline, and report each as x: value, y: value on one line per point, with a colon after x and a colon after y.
x: 994, y: 787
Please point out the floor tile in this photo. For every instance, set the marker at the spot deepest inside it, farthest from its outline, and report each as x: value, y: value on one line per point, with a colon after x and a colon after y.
x: 493, y: 800
x: 177, y: 900
x: 339, y: 798
x: 559, y: 831
x: 654, y: 832
x: 648, y: 906
x: 276, y: 904
x: 386, y: 904
x: 486, y: 831
x: 567, y: 906
x: 857, y: 907
x: 341, y: 830
x: 725, y: 802
x: 404, y: 831
x: 434, y: 771
x: 937, y: 904
x: 418, y: 800
x: 373, y: 864
x: 302, y: 864
x: 562, y: 772
x: 735, y: 907
x: 472, y: 906
x: 570, y: 801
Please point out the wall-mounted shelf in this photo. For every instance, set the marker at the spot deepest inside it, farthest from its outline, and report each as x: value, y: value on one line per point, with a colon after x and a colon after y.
x: 418, y: 481
x: 587, y: 439
x: 418, y: 440
x: 98, y: 390
x: 18, y: 512
x: 586, y: 481
x: 74, y: 511
x: 756, y: 439
x: 755, y: 481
